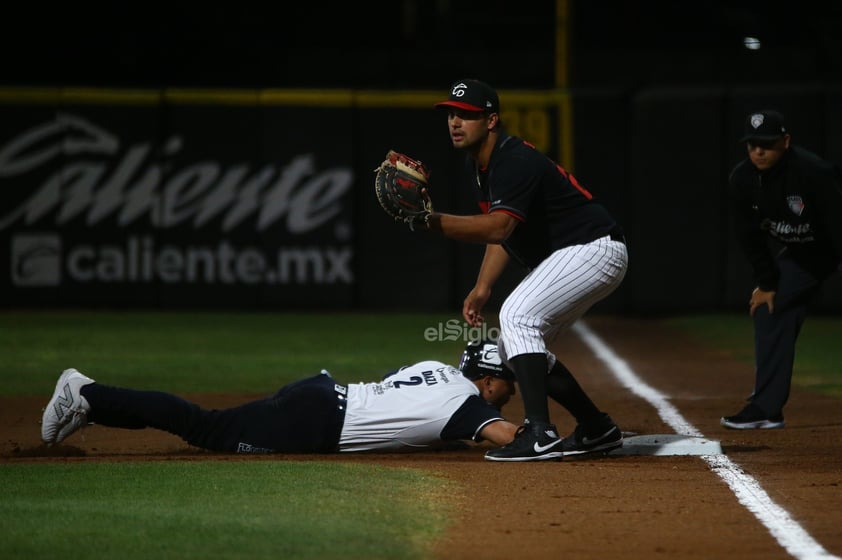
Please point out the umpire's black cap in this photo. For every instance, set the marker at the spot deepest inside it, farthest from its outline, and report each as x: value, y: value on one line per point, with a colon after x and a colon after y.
x: 472, y: 95
x: 481, y: 358
x: 764, y: 126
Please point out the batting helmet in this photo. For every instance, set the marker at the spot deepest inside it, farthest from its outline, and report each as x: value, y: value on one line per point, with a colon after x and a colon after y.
x: 480, y: 358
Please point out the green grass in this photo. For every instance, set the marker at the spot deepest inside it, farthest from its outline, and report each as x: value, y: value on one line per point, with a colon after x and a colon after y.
x: 218, y: 509
x: 818, y: 353
x: 211, y: 352
x: 256, y: 508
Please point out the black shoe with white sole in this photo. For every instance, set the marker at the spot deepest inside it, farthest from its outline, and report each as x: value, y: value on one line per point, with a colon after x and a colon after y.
x: 533, y: 442
x: 603, y: 436
x: 752, y: 418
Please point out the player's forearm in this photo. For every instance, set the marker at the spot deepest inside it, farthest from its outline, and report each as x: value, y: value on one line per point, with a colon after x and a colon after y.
x: 479, y: 228
x: 753, y: 244
x: 500, y: 432
x: 493, y: 264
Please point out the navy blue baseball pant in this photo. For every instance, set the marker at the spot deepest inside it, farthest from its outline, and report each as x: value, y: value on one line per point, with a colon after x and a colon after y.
x: 303, y: 417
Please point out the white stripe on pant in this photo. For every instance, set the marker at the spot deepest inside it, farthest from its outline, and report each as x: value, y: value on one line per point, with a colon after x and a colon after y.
x: 557, y: 293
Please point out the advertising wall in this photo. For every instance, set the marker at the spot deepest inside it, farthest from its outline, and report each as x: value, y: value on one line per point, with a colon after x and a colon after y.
x: 263, y: 199
x: 114, y: 199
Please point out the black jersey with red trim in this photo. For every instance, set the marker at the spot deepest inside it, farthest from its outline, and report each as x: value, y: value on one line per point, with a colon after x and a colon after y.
x: 553, y: 209
x: 798, y: 204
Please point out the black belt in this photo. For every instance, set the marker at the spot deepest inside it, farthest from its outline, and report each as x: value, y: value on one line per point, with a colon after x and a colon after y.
x: 340, y: 390
x: 616, y: 234
x: 341, y: 396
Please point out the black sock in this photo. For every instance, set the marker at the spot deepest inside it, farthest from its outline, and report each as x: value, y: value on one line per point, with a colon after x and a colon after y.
x: 531, y: 373
x: 563, y: 388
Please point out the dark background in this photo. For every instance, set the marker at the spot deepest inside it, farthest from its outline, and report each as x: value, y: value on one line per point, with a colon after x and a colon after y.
x: 419, y: 43
x: 659, y: 92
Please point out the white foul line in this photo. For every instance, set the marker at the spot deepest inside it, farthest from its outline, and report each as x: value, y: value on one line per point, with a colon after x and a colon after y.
x: 789, y: 534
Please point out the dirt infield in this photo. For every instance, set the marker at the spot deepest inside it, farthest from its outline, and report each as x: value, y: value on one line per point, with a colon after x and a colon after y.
x: 627, y: 507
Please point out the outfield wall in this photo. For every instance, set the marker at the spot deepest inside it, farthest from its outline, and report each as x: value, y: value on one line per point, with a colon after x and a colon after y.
x: 263, y: 199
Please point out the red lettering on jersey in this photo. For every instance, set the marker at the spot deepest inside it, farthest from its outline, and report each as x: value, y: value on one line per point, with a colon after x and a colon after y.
x: 574, y: 182
x: 568, y: 176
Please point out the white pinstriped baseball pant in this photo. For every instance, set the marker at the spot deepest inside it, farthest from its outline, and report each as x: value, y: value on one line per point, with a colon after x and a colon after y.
x: 557, y: 293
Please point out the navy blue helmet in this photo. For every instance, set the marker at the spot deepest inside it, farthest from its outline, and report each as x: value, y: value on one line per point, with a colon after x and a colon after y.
x: 481, y: 358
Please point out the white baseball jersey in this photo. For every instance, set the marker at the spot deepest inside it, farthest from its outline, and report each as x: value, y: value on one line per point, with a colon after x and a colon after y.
x: 417, y: 406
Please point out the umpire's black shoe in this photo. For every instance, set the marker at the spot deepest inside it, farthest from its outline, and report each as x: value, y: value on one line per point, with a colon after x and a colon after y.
x: 533, y: 442
x: 752, y: 418
x: 600, y: 436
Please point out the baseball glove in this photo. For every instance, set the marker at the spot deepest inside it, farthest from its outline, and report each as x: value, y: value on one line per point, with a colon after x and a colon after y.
x: 401, y: 184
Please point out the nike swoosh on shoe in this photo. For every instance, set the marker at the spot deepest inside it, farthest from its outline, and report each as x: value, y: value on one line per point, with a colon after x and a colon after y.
x: 588, y: 441
x: 542, y: 448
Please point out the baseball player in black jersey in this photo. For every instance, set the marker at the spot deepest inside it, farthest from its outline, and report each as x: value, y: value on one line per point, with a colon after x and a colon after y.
x: 788, y: 219
x: 538, y: 214
x: 415, y: 407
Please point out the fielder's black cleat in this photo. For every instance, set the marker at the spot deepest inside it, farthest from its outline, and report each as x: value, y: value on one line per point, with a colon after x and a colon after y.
x: 533, y: 442
x: 603, y: 436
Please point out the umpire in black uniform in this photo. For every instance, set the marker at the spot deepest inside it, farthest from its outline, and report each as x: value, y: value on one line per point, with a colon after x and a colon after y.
x: 788, y: 217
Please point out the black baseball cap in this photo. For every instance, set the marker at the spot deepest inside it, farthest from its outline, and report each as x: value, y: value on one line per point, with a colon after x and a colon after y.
x: 472, y: 95
x: 764, y: 126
